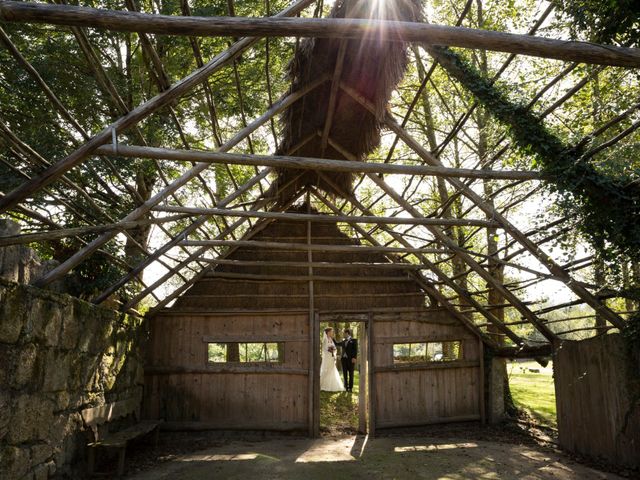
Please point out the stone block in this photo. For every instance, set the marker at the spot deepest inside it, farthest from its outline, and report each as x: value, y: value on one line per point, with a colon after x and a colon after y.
x: 31, y: 419
x: 13, y: 307
x: 45, y: 318
x: 41, y: 454
x: 57, y: 370
x: 26, y: 366
x: 5, y: 417
x: 70, y: 328
x: 41, y: 472
x: 8, y: 364
x: 15, y: 461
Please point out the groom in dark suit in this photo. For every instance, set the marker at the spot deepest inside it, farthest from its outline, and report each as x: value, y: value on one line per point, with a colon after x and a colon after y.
x: 349, y: 358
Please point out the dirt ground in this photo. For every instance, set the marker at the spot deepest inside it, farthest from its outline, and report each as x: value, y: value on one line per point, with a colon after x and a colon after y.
x: 405, y: 456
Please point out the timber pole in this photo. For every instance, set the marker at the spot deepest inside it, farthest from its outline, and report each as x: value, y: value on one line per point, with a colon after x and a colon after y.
x: 124, y: 21
x: 311, y: 163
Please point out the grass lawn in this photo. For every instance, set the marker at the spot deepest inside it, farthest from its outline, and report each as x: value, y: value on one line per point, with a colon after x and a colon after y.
x: 533, y: 392
x: 339, y: 410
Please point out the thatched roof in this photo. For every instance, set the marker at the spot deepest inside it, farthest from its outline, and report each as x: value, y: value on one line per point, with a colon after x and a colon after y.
x: 371, y: 67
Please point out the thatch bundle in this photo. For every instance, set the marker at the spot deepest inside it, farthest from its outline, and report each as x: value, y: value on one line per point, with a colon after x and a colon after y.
x: 372, y: 66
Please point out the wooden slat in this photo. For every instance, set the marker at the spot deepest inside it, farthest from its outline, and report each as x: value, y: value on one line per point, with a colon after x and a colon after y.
x: 304, y: 247
x: 404, y: 367
x: 214, y: 369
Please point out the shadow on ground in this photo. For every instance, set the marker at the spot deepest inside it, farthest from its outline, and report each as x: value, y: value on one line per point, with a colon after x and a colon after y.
x: 358, y: 457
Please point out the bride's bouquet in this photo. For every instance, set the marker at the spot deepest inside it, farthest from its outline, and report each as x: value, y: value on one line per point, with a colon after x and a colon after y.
x: 332, y: 350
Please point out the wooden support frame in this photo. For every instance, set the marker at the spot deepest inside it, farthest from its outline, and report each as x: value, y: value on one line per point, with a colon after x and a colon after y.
x: 429, y: 288
x: 491, y: 211
x: 334, y: 28
x: 118, y: 20
x: 133, y: 117
x: 174, y: 186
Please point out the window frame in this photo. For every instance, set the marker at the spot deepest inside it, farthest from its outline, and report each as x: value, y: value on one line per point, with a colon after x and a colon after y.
x: 425, y: 360
x: 279, y: 345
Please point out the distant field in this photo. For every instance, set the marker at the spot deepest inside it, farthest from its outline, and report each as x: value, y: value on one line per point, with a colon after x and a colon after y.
x: 534, y: 392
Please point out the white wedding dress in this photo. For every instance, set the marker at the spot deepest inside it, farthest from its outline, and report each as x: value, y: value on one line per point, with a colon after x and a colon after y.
x: 329, y: 377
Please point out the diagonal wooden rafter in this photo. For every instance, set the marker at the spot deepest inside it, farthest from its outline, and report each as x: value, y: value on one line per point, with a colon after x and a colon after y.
x: 423, y: 281
x: 261, y: 202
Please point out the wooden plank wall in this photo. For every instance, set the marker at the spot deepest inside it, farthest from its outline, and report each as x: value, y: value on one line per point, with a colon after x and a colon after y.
x: 598, y: 408
x: 422, y: 394
x: 186, y: 391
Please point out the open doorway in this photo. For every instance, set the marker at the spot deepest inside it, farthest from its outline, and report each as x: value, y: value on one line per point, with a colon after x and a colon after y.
x: 343, y: 375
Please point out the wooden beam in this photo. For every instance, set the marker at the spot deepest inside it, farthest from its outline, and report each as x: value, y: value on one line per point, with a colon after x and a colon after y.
x: 307, y: 278
x: 309, y: 163
x: 333, y: 96
x: 118, y: 20
x: 161, y: 100
x: 302, y: 217
x: 74, y: 232
x: 260, y: 263
x: 304, y: 247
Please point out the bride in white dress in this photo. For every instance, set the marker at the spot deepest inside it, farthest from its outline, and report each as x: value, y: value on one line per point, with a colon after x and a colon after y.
x: 329, y: 377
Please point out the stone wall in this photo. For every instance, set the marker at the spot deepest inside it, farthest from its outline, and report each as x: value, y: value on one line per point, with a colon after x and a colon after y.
x: 19, y: 263
x: 58, y: 355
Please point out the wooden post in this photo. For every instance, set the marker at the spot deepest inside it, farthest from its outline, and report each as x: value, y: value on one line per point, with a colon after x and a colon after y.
x: 363, y: 394
x: 371, y: 384
x: 316, y: 375
x: 313, y: 332
x: 481, y: 387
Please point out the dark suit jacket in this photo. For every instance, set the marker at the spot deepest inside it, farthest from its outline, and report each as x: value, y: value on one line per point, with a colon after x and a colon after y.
x: 350, y: 347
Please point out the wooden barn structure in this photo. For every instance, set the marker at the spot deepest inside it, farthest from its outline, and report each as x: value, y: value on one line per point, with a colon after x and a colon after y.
x: 273, y: 295
x: 225, y: 257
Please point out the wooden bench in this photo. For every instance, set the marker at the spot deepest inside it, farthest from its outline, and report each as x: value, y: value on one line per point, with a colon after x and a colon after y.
x: 97, y: 416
